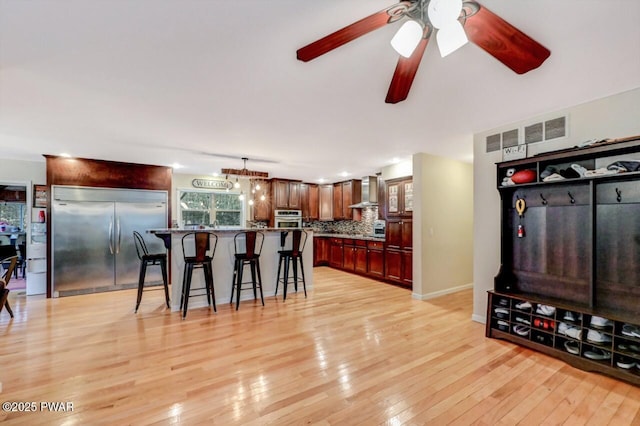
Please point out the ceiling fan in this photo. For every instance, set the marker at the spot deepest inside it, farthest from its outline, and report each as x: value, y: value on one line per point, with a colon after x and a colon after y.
x: 455, y: 21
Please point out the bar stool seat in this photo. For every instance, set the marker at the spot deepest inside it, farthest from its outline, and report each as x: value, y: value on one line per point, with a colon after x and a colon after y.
x: 291, y: 258
x: 250, y: 256
x: 200, y: 257
x: 149, y: 259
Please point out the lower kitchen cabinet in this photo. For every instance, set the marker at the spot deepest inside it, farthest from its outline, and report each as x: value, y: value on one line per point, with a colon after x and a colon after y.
x: 336, y: 253
x: 375, y: 259
x: 320, y: 251
x: 399, y: 266
x: 355, y: 256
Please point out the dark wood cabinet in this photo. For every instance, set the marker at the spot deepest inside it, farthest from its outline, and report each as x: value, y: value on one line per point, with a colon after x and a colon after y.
x: 320, y: 251
x: 399, y: 251
x: 399, y: 197
x: 375, y: 259
x: 336, y: 255
x: 338, y: 212
x: 309, y: 201
x: 570, y: 254
x: 325, y: 201
x: 286, y: 194
x: 355, y: 256
x: 262, y: 208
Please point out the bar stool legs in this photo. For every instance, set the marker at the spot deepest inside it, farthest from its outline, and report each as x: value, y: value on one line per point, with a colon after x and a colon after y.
x: 287, y: 259
x: 256, y: 279
x: 143, y: 272
x: 186, y: 286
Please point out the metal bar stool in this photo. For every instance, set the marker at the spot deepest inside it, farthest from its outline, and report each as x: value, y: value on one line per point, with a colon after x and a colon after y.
x: 294, y: 255
x: 253, y: 241
x: 204, y: 249
x: 149, y: 259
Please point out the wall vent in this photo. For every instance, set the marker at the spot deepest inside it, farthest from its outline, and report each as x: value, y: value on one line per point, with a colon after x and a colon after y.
x: 493, y: 143
x: 546, y: 130
x: 510, y: 138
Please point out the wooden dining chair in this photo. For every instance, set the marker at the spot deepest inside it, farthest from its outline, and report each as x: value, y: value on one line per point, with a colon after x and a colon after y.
x: 4, y: 282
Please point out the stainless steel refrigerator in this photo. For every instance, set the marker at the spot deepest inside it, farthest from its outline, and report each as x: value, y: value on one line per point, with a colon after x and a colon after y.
x: 92, y: 237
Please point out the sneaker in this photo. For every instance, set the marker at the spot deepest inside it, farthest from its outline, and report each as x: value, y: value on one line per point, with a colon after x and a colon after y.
x: 571, y: 331
x: 600, y: 322
x: 597, y: 354
x: 523, y: 320
x: 523, y: 306
x: 598, y: 337
x: 630, y: 330
x: 521, y: 330
x: 625, y: 363
x: 572, y: 347
x: 546, y: 310
x: 501, y: 312
x: 568, y: 316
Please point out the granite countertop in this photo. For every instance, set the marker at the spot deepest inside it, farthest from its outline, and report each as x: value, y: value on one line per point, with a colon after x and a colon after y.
x: 351, y: 236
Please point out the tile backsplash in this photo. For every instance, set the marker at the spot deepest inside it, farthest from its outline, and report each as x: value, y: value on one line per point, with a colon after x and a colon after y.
x: 364, y: 227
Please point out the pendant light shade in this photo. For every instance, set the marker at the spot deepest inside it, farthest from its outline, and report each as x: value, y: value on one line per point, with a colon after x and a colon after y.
x: 444, y: 15
x: 451, y: 38
x: 407, y: 38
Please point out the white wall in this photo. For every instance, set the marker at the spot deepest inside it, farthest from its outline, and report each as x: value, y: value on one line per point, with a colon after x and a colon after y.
x: 442, y: 226
x: 615, y: 116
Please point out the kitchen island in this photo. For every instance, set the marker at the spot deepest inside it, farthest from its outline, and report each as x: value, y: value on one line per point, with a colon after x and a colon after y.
x: 223, y: 262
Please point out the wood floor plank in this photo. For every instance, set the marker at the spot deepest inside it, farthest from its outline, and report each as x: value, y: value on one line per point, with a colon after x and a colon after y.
x: 355, y: 352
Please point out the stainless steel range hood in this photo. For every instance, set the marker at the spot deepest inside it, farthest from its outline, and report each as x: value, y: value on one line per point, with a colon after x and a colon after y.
x: 369, y: 193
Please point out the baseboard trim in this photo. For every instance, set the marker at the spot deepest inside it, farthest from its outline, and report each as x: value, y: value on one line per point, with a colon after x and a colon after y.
x: 441, y: 292
x: 478, y: 318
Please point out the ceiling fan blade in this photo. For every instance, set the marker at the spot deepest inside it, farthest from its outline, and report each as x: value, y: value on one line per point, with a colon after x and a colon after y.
x: 353, y: 31
x: 405, y: 72
x: 503, y: 41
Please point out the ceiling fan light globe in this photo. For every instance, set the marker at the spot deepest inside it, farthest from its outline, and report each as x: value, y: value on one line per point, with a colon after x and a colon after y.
x: 442, y: 12
x: 451, y: 38
x: 407, y: 38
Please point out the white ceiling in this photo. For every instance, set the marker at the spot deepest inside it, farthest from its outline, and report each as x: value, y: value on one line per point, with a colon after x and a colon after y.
x: 163, y: 81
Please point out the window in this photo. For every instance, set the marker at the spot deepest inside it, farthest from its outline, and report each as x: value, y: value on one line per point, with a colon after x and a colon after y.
x: 210, y: 208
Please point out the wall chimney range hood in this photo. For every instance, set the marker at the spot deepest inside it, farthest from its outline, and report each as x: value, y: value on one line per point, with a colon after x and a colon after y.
x: 369, y: 193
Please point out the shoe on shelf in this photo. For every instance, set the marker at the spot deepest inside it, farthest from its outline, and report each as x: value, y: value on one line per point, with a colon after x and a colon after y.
x: 631, y: 330
x: 625, y: 363
x: 569, y: 316
x: 546, y: 310
x: 598, y: 337
x: 629, y: 347
x: 523, y: 320
x: 569, y: 330
x: 501, y: 312
x: 572, y: 347
x: 597, y: 354
x: 600, y: 322
x: 503, y: 325
x: 521, y: 330
x: 523, y: 306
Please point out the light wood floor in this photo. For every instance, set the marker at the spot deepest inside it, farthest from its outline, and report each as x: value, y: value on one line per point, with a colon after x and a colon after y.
x: 355, y: 352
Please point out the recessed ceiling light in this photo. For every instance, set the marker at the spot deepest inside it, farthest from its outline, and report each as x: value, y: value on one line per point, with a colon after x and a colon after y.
x: 215, y: 174
x: 344, y: 174
x: 65, y: 155
x: 322, y: 180
x: 395, y: 160
x: 177, y: 166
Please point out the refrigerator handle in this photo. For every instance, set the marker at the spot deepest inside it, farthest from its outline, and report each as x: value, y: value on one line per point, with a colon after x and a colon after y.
x: 110, y: 236
x: 119, y: 235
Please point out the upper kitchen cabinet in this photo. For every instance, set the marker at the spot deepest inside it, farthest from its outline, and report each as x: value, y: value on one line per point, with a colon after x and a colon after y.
x: 286, y: 194
x: 325, y: 201
x: 399, y: 197
x: 261, y: 207
x: 310, y: 201
x: 346, y: 194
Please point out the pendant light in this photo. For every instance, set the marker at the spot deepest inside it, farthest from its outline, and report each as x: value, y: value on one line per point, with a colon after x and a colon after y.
x: 407, y: 38
x: 444, y: 15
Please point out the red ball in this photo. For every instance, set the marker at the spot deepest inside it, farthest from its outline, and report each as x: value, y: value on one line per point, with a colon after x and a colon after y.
x: 524, y: 176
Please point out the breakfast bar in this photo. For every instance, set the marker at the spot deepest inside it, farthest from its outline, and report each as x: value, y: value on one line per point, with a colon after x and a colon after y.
x: 223, y: 262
